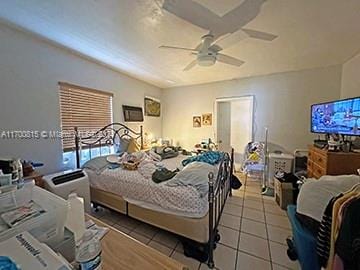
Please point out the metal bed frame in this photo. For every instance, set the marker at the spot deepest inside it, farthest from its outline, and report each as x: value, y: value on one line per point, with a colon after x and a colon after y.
x: 219, y: 186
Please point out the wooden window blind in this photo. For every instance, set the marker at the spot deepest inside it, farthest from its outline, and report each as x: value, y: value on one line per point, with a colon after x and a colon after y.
x: 87, y: 109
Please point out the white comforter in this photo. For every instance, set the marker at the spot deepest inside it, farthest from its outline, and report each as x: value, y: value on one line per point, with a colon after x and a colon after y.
x: 139, y: 189
x: 315, y: 194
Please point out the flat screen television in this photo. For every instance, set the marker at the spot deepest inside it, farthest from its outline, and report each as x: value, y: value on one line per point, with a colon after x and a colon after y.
x: 133, y: 114
x: 339, y: 117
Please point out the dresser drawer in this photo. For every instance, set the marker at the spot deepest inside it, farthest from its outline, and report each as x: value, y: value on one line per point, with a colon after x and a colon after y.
x: 319, y: 159
x: 318, y: 171
x: 310, y: 154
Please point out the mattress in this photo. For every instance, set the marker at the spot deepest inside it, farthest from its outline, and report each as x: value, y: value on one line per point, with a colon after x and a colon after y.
x: 135, y: 188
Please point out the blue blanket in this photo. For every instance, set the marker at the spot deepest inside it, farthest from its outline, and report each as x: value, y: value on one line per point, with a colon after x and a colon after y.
x: 211, y: 157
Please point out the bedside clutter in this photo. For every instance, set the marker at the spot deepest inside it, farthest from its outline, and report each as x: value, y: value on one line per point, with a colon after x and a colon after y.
x: 23, y: 251
x: 283, y: 193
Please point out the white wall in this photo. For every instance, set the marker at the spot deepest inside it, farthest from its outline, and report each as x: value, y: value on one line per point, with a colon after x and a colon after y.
x: 282, y: 102
x: 29, y: 72
x: 350, y: 83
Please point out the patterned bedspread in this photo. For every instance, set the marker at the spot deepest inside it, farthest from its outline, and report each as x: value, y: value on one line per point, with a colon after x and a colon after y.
x: 180, y: 200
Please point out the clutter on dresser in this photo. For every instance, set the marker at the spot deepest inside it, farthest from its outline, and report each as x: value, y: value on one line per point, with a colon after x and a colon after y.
x: 5, y: 179
x: 88, y: 254
x: 20, y: 171
x: 56, y: 224
x: 75, y: 220
x: 35, y: 210
x: 24, y: 251
x: 337, y: 143
x: 12, y: 166
x: 98, y: 232
x: 334, y: 143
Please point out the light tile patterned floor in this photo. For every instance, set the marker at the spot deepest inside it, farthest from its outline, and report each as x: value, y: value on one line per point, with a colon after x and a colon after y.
x: 253, y: 231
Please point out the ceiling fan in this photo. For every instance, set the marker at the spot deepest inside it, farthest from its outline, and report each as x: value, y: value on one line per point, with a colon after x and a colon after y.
x: 224, y: 31
x: 207, y: 54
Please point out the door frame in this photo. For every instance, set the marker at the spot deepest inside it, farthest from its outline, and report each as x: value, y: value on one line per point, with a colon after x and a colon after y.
x: 224, y: 99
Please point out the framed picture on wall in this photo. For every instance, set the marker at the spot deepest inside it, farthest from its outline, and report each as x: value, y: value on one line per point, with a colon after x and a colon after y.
x: 196, y: 121
x: 152, y: 107
x: 207, y: 119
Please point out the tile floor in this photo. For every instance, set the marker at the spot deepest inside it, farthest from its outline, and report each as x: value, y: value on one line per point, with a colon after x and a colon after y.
x: 253, y: 231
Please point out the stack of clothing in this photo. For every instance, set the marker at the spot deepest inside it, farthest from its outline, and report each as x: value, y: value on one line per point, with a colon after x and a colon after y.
x: 323, y: 223
x: 338, y: 239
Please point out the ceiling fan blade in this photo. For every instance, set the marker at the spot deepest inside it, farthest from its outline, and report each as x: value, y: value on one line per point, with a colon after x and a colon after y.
x: 192, y: 12
x: 259, y: 35
x: 229, y: 60
x: 177, y: 48
x: 230, y: 39
x: 241, y: 15
x: 190, y: 66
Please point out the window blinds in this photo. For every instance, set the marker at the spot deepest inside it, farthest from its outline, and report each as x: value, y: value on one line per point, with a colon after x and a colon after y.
x: 87, y: 109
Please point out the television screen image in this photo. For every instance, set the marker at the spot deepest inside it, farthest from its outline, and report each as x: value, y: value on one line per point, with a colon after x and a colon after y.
x: 339, y: 117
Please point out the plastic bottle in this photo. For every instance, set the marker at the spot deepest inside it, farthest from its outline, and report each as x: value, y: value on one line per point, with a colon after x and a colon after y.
x: 75, y: 220
x: 20, y: 168
x: 88, y: 254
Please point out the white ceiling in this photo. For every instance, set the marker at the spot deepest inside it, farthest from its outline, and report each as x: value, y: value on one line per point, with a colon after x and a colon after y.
x: 126, y: 34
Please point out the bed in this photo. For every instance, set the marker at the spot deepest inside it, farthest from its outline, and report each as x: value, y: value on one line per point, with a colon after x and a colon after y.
x: 179, y: 210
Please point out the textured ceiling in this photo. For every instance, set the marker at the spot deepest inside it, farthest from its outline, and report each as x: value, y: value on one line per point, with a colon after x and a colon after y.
x: 126, y: 34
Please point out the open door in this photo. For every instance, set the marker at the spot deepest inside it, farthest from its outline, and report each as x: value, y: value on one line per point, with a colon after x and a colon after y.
x: 234, y: 124
x: 223, y: 125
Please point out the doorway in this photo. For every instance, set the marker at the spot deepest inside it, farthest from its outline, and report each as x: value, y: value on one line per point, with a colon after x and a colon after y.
x: 234, y: 124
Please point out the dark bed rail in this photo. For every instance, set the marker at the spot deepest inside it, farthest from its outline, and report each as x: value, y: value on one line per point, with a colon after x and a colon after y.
x: 219, y: 190
x: 107, y: 136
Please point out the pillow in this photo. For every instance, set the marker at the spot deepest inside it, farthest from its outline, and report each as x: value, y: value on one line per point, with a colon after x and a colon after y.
x: 121, y: 145
x: 97, y: 164
x: 194, y: 174
x: 133, y: 146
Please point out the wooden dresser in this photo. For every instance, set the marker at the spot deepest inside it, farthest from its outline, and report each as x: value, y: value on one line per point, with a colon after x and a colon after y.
x: 322, y: 162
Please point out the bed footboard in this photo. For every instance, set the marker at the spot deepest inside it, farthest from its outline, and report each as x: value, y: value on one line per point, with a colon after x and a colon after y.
x: 219, y: 190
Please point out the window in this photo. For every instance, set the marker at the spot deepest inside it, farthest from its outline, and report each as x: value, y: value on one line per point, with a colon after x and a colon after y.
x: 87, y: 109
